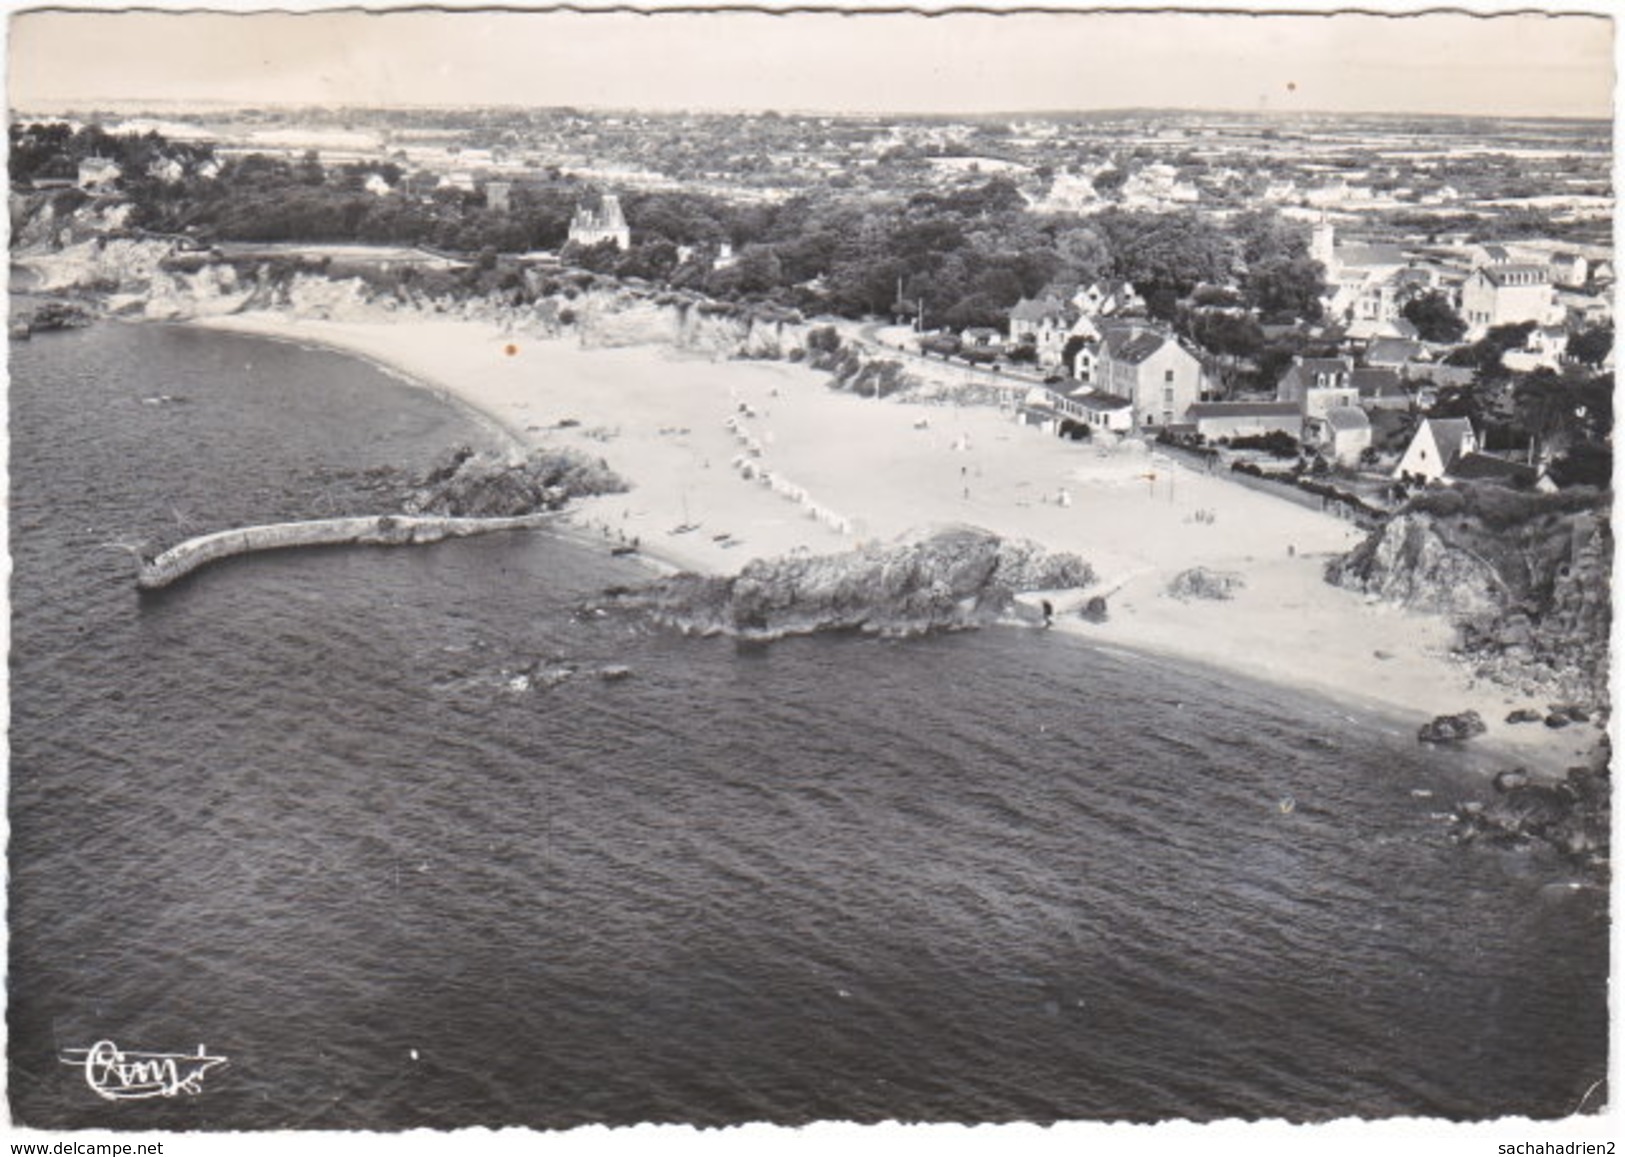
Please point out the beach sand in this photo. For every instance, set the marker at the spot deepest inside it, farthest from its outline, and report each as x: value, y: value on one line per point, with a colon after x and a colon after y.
x: 847, y: 470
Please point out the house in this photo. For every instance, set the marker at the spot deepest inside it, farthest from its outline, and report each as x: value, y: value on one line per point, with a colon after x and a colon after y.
x: 982, y: 337
x: 1045, y: 325
x: 1147, y: 366
x: 1215, y: 420
x: 1108, y: 299
x: 1038, y: 409
x: 1546, y: 347
x: 1316, y: 385
x: 497, y: 195
x: 1380, y: 388
x: 1602, y: 271
x: 1480, y: 467
x: 1569, y: 270
x: 1103, y: 412
x: 1436, y: 446
x: 1394, y: 352
x: 98, y: 174
x: 1480, y: 256
x: 1086, y: 361
x: 1344, y: 433
x: 606, y: 224
x: 1506, y: 295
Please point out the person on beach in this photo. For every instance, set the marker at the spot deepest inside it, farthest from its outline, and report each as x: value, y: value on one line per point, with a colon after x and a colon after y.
x: 1049, y: 612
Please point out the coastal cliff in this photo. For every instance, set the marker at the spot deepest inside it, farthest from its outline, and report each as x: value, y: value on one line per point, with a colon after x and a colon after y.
x: 1525, y: 577
x: 950, y: 579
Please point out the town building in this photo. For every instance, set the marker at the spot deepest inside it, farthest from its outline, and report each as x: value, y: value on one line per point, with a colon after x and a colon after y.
x: 1153, y: 371
x: 1380, y: 388
x: 98, y: 174
x: 1344, y: 433
x: 497, y: 196
x: 1046, y: 325
x: 1103, y: 412
x: 1507, y: 295
x: 1436, y: 446
x: 1215, y: 420
x: 1316, y: 385
x: 1569, y: 270
x: 1108, y: 299
x: 589, y: 227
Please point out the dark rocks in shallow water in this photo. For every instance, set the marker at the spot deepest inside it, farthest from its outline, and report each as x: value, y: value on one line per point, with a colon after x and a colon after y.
x: 1511, y: 780
x: 614, y: 673
x: 1525, y: 715
x: 1574, y: 712
x: 1451, y: 728
x: 1556, y: 721
x: 955, y: 578
x: 1571, y: 816
x: 1094, y: 611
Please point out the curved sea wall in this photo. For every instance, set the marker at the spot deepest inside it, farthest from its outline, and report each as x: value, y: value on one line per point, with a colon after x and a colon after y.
x: 385, y: 530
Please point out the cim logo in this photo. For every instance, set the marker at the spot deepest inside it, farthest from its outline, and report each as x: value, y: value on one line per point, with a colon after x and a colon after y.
x: 116, y: 1075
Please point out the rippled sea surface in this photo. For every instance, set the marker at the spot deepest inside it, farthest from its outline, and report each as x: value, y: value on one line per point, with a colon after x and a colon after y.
x: 293, y: 810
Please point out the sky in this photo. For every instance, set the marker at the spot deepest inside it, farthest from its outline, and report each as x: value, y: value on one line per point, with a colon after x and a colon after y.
x: 1529, y: 64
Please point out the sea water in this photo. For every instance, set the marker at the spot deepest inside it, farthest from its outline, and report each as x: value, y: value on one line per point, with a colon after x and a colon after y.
x: 301, y: 810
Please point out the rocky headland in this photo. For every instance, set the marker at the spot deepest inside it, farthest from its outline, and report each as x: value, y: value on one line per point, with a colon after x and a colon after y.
x: 951, y: 579
x: 1525, y: 578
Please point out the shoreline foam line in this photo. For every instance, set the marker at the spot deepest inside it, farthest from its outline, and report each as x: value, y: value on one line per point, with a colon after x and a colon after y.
x: 378, y: 530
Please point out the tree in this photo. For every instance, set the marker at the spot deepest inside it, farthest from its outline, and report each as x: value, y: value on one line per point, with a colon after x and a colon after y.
x: 1110, y: 182
x: 1434, y: 318
x: 1590, y: 346
x: 1284, y: 285
x: 1586, y: 464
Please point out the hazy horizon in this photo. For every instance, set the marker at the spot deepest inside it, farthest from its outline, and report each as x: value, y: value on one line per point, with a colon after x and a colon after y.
x: 1528, y: 65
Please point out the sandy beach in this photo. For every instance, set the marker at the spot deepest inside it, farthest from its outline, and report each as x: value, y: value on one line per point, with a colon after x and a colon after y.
x: 828, y: 471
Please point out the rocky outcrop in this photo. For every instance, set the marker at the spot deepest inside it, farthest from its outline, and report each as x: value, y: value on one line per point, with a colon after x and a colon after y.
x: 955, y: 578
x: 1201, y: 583
x: 1571, y: 816
x: 1451, y: 728
x: 1525, y: 577
x: 466, y: 484
x: 1412, y: 562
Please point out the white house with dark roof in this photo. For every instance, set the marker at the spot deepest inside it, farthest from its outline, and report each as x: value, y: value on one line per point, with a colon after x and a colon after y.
x: 1344, y: 432
x: 1507, y: 295
x: 1569, y: 270
x: 1108, y: 299
x: 1436, y: 446
x: 1214, y: 420
x: 1044, y: 324
x: 1104, y: 412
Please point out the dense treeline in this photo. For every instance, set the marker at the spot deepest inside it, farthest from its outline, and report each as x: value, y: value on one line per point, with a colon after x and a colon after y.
x: 956, y: 259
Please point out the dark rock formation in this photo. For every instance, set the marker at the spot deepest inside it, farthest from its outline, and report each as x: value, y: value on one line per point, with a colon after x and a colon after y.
x: 1571, y: 816
x: 1201, y: 583
x: 1524, y: 715
x: 1451, y: 728
x: 956, y: 578
x: 483, y: 485
x: 1526, y: 577
x: 1094, y: 611
x: 51, y: 315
